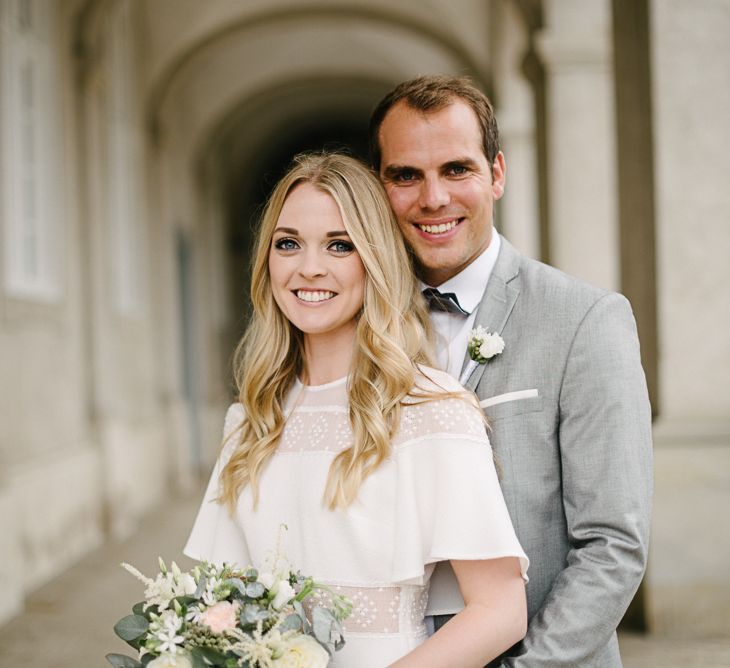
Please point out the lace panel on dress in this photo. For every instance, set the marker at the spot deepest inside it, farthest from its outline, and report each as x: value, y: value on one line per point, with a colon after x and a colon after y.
x: 327, y: 428
x: 397, y: 609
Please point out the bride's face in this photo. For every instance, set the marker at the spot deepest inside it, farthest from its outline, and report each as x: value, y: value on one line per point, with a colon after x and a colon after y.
x: 317, y: 277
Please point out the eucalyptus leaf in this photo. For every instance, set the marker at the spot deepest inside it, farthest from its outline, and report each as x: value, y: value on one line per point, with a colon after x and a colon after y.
x: 299, y: 609
x: 255, y: 590
x: 138, y: 609
x: 251, y: 574
x: 293, y: 622
x: 236, y: 584
x: 202, y: 584
x: 131, y: 627
x: 250, y: 613
x: 322, y: 621
x: 338, y: 635
x: 121, y: 661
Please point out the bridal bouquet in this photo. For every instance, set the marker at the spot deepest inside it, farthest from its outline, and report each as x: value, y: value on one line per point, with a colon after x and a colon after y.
x: 229, y: 618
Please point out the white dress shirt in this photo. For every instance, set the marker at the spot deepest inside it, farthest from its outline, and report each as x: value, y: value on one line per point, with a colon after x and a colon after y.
x: 452, y: 329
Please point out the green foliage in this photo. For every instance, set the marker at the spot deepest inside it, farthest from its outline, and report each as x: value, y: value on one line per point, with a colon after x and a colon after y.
x: 207, y: 656
x: 292, y: 622
x: 131, y: 627
x: 121, y: 661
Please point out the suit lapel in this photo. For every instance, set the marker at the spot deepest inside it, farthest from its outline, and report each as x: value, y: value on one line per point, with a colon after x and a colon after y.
x: 497, y: 303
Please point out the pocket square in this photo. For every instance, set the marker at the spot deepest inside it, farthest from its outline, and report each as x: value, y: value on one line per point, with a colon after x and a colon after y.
x: 508, y: 396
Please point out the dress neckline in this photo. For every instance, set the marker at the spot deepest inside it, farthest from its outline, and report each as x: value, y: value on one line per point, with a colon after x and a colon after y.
x: 324, y: 386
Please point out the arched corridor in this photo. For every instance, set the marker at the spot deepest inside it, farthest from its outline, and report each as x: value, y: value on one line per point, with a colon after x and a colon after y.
x: 138, y: 141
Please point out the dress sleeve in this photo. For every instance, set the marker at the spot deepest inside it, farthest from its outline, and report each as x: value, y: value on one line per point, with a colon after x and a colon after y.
x: 216, y: 535
x: 449, y: 502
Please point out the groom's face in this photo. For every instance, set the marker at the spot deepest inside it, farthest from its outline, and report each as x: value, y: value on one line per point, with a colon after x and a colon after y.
x: 440, y: 185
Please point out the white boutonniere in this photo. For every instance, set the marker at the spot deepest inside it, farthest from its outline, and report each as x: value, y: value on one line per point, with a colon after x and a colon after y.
x: 482, y: 345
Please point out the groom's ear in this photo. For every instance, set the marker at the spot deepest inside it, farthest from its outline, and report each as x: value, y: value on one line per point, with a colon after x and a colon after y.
x: 499, y: 174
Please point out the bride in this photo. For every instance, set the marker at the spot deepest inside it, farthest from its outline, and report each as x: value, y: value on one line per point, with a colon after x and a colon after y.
x: 378, y: 465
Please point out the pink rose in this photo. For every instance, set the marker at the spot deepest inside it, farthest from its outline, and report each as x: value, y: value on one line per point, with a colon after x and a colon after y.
x: 220, y: 617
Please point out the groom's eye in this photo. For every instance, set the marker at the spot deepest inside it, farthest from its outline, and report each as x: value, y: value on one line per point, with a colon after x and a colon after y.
x: 406, y: 175
x: 400, y: 175
x: 456, y: 170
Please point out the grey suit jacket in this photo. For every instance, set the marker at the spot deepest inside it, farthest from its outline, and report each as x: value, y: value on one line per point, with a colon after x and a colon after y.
x: 574, y: 454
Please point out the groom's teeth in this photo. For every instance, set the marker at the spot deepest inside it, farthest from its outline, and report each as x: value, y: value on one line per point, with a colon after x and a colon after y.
x: 440, y: 228
x: 314, y: 295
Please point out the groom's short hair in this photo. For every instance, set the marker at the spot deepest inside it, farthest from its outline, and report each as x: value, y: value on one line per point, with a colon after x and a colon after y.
x: 432, y: 93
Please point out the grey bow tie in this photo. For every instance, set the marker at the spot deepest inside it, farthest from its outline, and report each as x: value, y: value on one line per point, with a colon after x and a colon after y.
x: 443, y: 301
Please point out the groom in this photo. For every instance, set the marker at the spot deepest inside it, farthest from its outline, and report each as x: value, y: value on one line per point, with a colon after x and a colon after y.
x: 566, y: 400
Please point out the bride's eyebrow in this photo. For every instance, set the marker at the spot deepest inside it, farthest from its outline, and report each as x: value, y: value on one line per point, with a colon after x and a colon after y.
x: 338, y: 233
x: 286, y: 230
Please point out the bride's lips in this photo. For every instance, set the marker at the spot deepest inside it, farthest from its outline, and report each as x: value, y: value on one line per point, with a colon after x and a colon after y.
x: 441, y: 229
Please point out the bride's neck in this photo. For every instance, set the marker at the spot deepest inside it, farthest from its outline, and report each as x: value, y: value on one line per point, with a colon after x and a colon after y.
x: 327, y: 357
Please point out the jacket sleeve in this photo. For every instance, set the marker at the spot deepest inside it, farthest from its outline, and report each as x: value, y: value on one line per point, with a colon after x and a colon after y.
x: 606, y: 457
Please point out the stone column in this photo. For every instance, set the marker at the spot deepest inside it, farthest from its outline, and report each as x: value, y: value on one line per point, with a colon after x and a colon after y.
x: 517, y: 215
x: 575, y: 47
x: 688, y: 575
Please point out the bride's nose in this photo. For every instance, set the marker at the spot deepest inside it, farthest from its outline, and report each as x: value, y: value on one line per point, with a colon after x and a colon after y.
x: 312, y: 263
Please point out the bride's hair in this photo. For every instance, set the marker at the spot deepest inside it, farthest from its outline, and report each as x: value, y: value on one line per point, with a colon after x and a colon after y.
x: 392, y: 335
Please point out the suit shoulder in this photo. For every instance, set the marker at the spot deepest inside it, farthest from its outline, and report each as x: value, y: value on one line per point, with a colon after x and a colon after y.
x: 556, y: 289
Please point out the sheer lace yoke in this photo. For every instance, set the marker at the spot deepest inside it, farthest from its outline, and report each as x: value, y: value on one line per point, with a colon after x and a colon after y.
x: 318, y: 419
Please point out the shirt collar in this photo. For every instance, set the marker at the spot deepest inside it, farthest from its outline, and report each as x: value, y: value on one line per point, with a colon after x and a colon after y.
x: 469, y: 284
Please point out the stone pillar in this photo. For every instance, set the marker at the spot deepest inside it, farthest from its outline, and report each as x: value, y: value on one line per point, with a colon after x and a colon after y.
x: 688, y: 575
x: 575, y: 48
x: 517, y: 216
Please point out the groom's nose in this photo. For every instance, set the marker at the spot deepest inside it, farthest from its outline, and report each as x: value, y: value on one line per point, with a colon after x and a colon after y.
x: 433, y: 193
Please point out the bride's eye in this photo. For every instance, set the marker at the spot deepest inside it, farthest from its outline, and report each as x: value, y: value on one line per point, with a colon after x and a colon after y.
x: 286, y: 244
x: 341, y: 247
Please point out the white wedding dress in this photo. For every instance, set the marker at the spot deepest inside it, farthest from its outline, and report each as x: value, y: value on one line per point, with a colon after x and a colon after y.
x: 436, y: 498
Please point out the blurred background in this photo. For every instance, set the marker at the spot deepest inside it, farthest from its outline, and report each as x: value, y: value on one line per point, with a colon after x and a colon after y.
x: 138, y: 140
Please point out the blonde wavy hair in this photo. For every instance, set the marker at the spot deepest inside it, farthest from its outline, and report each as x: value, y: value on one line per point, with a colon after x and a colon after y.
x: 392, y: 335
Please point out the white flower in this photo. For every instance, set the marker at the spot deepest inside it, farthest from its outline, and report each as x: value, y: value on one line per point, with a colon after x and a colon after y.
x: 164, y: 630
x: 159, y: 592
x: 187, y: 585
x: 169, y: 641
x: 171, y: 661
x: 284, y: 592
x: 266, y: 579
x: 483, y: 344
x: 302, y: 652
x: 194, y: 614
x: 492, y: 345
